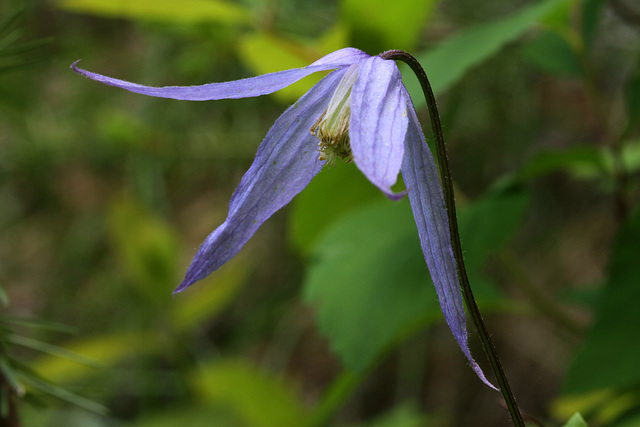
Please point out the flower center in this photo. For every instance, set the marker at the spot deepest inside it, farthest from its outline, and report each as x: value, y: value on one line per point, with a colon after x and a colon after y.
x: 332, y: 128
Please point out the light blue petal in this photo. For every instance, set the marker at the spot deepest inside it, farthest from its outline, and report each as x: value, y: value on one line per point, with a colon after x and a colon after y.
x: 378, y: 122
x: 425, y: 195
x: 344, y: 57
x: 245, y: 88
x: 285, y: 162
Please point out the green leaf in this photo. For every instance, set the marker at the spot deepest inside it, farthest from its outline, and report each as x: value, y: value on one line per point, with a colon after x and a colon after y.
x: 581, y: 162
x: 267, y: 53
x: 334, y: 192
x: 405, y: 415
x: 63, y: 394
x: 632, y: 97
x: 50, y: 349
x: 591, y: 14
x: 9, y: 375
x: 4, y: 298
x: 191, y: 416
x: 603, y: 407
x: 610, y: 354
x: 447, y: 63
x: 487, y: 225
x: 576, y: 421
x: 551, y: 53
x: 146, y: 247
x: 341, y: 387
x: 256, y: 397
x: 369, y: 274
x: 106, y: 350
x: 187, y: 11
x: 378, y: 25
x: 212, y: 295
x: 38, y: 324
x: 13, y: 17
x: 632, y: 421
x: 630, y: 156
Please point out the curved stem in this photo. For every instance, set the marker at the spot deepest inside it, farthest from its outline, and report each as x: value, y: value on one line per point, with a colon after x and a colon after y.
x: 447, y: 187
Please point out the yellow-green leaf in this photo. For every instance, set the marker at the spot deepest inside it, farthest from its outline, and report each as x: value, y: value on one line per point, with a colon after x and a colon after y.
x: 258, y: 398
x: 146, y: 248
x: 162, y: 10
x: 384, y: 24
x: 106, y: 350
x: 266, y: 53
x: 210, y: 296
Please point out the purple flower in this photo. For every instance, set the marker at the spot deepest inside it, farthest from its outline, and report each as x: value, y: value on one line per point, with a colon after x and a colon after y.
x: 360, y: 112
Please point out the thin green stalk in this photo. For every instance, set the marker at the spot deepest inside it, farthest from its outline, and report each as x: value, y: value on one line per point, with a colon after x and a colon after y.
x: 447, y: 187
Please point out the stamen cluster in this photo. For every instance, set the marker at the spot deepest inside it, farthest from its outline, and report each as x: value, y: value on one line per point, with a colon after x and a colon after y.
x: 332, y: 128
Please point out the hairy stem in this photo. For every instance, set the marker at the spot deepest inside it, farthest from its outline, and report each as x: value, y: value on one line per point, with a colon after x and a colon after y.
x: 447, y: 187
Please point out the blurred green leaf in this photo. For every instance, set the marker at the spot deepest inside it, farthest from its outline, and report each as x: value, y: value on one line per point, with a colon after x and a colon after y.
x: 568, y: 405
x: 38, y: 324
x: 447, y: 63
x: 382, y: 24
x: 258, y: 398
x: 106, y: 350
x: 50, y: 349
x: 26, y: 47
x: 485, y: 227
x: 581, y: 162
x: 191, y: 416
x: 11, y: 18
x: 551, y: 53
x: 610, y: 354
x: 632, y: 97
x: 268, y: 53
x: 333, y: 39
x: 591, y: 14
x: 63, y: 394
x: 630, y: 156
x: 576, y: 421
x: 631, y: 421
x: 603, y: 407
x: 163, y: 10
x: 334, y: 396
x: 210, y: 296
x: 334, y: 192
x: 9, y: 375
x: 4, y: 298
x: 13, y: 54
x: 146, y: 247
x: 369, y: 273
x: 405, y: 415
x: 123, y: 129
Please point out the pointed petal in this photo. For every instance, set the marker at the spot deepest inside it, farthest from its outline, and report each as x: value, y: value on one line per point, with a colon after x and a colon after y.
x: 425, y: 195
x: 344, y: 57
x: 378, y: 122
x: 253, y: 86
x: 285, y: 162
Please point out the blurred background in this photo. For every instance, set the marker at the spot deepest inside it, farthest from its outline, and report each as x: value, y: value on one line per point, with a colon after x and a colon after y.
x: 327, y: 317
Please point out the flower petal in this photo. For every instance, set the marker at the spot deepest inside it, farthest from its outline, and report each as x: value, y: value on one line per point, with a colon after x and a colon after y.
x: 344, y: 57
x: 285, y: 162
x: 378, y: 122
x: 425, y: 195
x: 244, y: 88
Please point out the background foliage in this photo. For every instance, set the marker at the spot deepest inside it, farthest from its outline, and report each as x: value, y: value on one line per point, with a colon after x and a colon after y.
x: 328, y: 316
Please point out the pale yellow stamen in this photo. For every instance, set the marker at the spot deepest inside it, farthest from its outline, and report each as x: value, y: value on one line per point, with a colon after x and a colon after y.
x: 332, y: 128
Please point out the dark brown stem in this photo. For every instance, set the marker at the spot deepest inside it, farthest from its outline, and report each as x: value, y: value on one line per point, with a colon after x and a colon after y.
x: 449, y: 198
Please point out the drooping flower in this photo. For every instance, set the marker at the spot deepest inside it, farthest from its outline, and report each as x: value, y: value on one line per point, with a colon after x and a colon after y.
x: 360, y: 112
